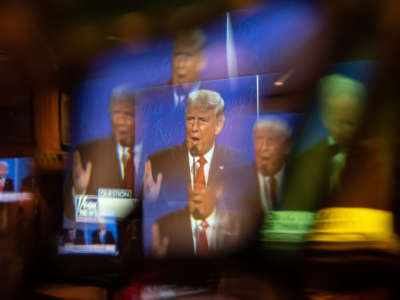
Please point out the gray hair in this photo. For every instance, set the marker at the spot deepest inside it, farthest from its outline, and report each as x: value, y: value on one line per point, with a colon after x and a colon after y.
x: 3, y: 164
x: 275, y: 124
x: 122, y: 95
x: 206, y: 100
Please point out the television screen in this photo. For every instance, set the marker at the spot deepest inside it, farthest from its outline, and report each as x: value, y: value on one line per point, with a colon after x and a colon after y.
x: 139, y: 150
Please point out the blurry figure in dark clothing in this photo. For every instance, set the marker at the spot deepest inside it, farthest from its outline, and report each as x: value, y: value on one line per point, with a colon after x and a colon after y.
x: 6, y: 184
x: 102, y: 235
x: 316, y: 171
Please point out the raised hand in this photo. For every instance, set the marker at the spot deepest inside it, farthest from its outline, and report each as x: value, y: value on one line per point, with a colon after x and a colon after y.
x: 151, y: 187
x: 80, y: 175
x: 159, y: 245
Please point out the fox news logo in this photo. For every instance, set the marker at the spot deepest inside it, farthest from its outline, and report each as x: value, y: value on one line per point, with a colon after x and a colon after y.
x: 87, y: 206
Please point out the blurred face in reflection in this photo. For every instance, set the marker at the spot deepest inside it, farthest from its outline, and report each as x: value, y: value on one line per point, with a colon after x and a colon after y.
x: 123, y: 123
x: 3, y: 170
x: 102, y: 226
x: 341, y: 116
x: 187, y: 62
x: 271, y: 147
x: 202, y: 201
x: 202, y: 127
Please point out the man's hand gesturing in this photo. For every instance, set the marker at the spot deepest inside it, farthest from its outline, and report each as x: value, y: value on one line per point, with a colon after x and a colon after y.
x: 81, y: 176
x: 151, y: 187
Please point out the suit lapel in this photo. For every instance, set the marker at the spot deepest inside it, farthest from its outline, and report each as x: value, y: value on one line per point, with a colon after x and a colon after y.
x: 114, y: 161
x: 216, y: 167
x: 255, y: 189
x: 187, y: 237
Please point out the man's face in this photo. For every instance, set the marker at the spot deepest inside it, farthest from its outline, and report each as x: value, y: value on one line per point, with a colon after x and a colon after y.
x: 187, y: 62
x: 202, y: 201
x: 202, y: 126
x: 271, y: 148
x: 3, y: 171
x: 341, y: 116
x: 123, y: 123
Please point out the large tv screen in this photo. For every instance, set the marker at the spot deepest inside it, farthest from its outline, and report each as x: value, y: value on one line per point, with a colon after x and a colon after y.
x: 151, y: 119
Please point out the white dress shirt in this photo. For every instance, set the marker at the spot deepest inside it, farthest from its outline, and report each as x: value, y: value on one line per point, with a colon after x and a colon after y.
x: 102, y: 236
x: 265, y: 185
x: 123, y: 156
x: 193, y: 162
x: 2, y: 181
x: 210, y: 231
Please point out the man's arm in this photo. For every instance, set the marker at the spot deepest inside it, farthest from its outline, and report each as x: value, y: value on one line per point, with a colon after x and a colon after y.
x: 11, y: 185
x: 159, y: 246
x: 80, y: 175
x: 151, y: 187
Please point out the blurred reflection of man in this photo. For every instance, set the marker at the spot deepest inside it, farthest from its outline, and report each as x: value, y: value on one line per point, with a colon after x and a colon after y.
x: 188, y: 60
x: 317, y: 170
x: 102, y: 235
x: 256, y: 188
x: 73, y: 235
x: 199, y: 229
x: 112, y: 162
x: 272, y: 146
x: 6, y: 184
x: 169, y: 171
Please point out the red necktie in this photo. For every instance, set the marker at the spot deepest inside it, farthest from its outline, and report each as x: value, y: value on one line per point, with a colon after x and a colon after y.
x: 130, y: 170
x: 200, y: 180
x: 273, y: 191
x: 72, y: 236
x: 202, y: 246
x: 1, y: 186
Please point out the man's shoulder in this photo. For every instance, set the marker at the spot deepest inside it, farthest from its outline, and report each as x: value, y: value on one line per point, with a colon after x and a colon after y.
x: 95, y: 144
x: 168, y: 153
x: 226, y: 157
x: 174, y: 216
x: 319, y: 148
x: 226, y: 215
x: 226, y: 150
x: 245, y: 169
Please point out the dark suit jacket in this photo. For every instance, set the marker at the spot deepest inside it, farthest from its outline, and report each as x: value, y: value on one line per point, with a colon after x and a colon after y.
x: 307, y: 181
x: 174, y: 165
x: 106, y: 172
x: 8, y: 185
x: 109, y: 238
x: 243, y: 188
x: 79, y: 237
x: 176, y: 226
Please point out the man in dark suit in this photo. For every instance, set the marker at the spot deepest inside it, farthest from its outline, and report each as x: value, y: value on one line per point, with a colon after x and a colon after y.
x: 169, y: 172
x: 188, y: 60
x: 257, y: 187
x: 316, y: 172
x: 113, y: 162
x: 102, y: 235
x: 74, y: 236
x: 200, y: 229
x: 6, y: 184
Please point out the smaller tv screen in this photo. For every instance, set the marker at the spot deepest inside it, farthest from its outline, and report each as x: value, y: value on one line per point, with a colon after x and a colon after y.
x: 16, y: 186
x: 15, y: 177
x: 89, y: 235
